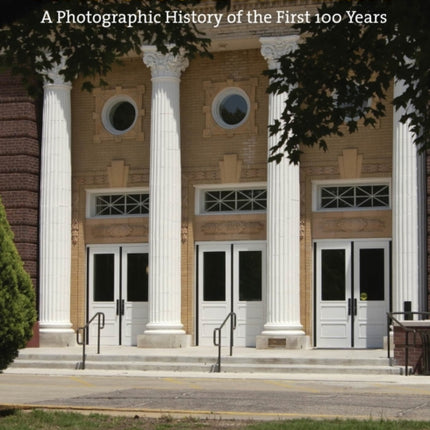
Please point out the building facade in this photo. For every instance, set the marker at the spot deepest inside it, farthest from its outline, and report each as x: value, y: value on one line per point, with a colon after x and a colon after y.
x: 159, y: 209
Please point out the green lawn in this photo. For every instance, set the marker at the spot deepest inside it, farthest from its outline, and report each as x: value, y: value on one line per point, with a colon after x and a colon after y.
x: 42, y: 420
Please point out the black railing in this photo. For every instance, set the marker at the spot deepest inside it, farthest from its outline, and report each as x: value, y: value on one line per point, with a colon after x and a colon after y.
x: 217, y: 338
x: 408, y: 316
x: 84, y: 330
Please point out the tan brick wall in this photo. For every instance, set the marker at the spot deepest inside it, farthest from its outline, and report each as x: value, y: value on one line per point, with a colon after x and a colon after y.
x: 202, y: 152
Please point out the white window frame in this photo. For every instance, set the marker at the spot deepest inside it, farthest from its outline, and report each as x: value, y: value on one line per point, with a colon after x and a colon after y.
x: 200, y: 194
x: 106, y: 111
x: 93, y: 193
x: 319, y: 184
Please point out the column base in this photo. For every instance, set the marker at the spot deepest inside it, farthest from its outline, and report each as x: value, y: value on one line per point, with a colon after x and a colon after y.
x: 164, y: 340
x: 283, y: 341
x: 50, y: 337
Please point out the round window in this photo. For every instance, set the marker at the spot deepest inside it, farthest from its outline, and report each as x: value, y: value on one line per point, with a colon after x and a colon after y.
x: 230, y: 108
x: 119, y: 114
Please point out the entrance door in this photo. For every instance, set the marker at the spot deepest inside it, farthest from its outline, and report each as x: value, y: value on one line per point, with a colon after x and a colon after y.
x: 231, y: 278
x: 118, y: 287
x: 352, y: 293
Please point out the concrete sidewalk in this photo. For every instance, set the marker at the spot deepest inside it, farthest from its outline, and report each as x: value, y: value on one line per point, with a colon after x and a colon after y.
x: 220, y: 396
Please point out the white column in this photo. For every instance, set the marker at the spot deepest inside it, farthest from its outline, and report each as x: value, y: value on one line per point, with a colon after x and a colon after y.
x: 283, y: 227
x: 165, y: 328
x: 406, y: 205
x: 55, y: 213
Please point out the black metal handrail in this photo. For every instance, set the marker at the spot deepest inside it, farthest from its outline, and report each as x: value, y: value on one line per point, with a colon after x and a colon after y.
x: 100, y: 325
x: 232, y: 317
x: 390, y: 320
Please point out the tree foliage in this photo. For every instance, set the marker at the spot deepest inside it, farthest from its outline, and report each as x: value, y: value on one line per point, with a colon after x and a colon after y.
x: 29, y: 45
x: 17, y: 297
x: 340, y: 66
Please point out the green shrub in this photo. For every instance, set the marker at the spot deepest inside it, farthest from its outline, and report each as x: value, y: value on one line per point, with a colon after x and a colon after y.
x: 17, y: 297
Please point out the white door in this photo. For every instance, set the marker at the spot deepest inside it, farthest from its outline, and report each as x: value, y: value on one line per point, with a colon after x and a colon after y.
x: 352, y: 293
x: 231, y: 278
x: 118, y: 287
x: 371, y: 281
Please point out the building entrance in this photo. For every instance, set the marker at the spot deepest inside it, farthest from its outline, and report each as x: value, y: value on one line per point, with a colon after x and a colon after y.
x: 230, y: 278
x: 352, y: 293
x: 118, y: 287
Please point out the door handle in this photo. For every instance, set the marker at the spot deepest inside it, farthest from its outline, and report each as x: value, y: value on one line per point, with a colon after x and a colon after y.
x: 120, y: 306
x: 352, y: 307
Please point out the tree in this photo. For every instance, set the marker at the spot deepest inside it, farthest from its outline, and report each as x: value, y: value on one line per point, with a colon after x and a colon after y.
x: 17, y: 297
x: 45, y: 32
x: 349, y: 54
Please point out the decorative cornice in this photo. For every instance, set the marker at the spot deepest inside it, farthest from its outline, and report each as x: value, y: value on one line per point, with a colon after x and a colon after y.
x: 164, y: 65
x: 273, y: 48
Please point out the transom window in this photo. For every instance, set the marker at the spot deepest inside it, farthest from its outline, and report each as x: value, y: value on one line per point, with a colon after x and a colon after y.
x: 237, y: 200
x: 354, y: 196
x: 124, y: 204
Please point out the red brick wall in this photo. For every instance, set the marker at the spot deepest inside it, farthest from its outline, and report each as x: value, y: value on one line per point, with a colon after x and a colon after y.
x: 415, y: 349
x: 19, y: 167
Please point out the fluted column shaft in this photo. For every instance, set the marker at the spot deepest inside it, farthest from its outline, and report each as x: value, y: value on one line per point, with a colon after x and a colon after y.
x: 165, y: 192
x: 283, y: 218
x: 55, y: 213
x: 407, y: 188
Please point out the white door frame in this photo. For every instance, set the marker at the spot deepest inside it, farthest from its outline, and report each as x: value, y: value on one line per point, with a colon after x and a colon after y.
x: 211, y: 313
x: 124, y: 319
x: 351, y: 320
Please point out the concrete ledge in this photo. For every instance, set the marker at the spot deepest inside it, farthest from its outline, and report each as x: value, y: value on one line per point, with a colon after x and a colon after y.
x: 163, y: 340
x: 283, y: 342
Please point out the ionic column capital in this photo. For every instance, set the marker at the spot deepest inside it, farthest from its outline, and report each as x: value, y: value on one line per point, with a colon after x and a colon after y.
x: 273, y: 48
x: 164, y: 65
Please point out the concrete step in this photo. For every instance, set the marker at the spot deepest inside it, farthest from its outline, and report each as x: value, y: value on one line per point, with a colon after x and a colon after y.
x: 205, y: 363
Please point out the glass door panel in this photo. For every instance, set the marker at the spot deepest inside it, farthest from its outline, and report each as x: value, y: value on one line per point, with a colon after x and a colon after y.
x: 103, y: 278
x: 333, y: 281
x: 250, y: 276
x: 214, y: 276
x: 372, y: 274
x: 137, y: 277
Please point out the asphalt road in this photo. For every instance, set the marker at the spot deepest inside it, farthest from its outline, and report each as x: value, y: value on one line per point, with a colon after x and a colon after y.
x: 223, y: 396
